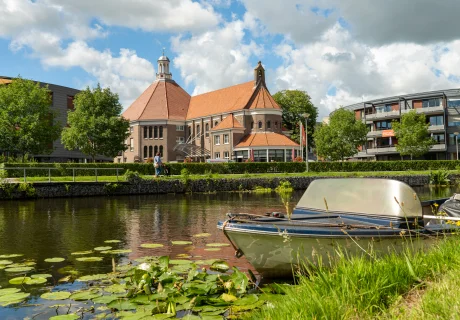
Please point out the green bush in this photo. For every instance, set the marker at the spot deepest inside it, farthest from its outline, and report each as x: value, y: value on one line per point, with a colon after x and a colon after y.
x: 65, y: 169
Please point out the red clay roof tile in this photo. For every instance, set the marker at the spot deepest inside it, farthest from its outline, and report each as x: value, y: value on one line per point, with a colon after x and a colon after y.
x: 230, y: 122
x: 262, y: 139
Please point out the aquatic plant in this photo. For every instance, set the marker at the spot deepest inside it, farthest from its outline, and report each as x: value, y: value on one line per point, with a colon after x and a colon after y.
x: 439, y: 178
x: 260, y: 189
x: 132, y: 177
x: 112, y: 187
x: 27, y: 188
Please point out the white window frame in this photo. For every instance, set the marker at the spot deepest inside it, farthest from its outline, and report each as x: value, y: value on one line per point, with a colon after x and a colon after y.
x: 180, y: 128
x: 131, y: 129
x: 131, y: 144
x: 226, y: 139
x: 216, y: 155
x: 217, y: 140
x: 226, y: 155
x: 180, y: 139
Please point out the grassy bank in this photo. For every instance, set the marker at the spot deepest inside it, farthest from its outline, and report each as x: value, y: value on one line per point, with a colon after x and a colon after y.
x: 363, y: 288
x: 238, y: 176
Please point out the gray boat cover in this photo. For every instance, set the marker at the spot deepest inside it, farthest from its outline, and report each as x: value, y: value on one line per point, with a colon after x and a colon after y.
x: 452, y: 206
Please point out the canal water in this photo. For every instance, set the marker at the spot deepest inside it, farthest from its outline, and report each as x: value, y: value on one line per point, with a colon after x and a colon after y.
x: 47, y: 228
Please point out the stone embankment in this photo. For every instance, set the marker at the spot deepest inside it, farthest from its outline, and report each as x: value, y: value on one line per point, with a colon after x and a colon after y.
x: 85, y: 189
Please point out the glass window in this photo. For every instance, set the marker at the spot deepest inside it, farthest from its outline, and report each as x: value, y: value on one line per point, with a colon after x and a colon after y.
x: 216, y: 123
x: 131, y: 129
x: 436, y: 121
x: 226, y: 139
x: 150, y: 152
x: 453, y: 103
x: 289, y: 154
x: 226, y: 155
x: 241, y: 156
x: 260, y: 155
x: 451, y: 141
x: 269, y: 124
x: 216, y: 140
x: 179, y: 128
x: 160, y: 132
x: 161, y: 151
x: 145, y: 132
x: 150, y: 132
x: 155, y: 132
x: 197, y: 129
x: 428, y: 103
x: 145, y: 150
x: 180, y: 139
x: 252, y: 125
x: 383, y: 125
x: 384, y: 142
x: 155, y: 150
x: 453, y: 121
x: 276, y: 155
x: 206, y: 128
x: 260, y: 124
x: 439, y: 138
x: 217, y: 155
x: 131, y: 144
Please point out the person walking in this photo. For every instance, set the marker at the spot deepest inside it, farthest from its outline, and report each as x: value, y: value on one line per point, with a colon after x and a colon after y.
x: 157, y: 164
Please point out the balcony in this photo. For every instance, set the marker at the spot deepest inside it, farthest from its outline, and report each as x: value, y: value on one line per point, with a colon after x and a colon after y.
x: 429, y: 110
x: 381, y: 150
x: 439, y: 147
x: 383, y: 115
x: 436, y: 128
x: 374, y: 134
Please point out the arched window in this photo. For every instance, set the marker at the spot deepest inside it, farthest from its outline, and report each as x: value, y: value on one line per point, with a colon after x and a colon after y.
x: 260, y: 124
x: 161, y: 151
x: 276, y: 124
x: 156, y: 150
x: 145, y: 150
x: 206, y: 129
x: 155, y: 132
x: 150, y: 152
x: 161, y: 132
x: 252, y: 125
x: 216, y: 123
x: 145, y: 132
x: 150, y: 132
x: 197, y: 129
x: 189, y: 130
x: 269, y: 124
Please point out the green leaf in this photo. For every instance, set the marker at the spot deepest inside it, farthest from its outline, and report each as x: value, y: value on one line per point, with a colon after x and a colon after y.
x: 86, y: 295
x: 116, y: 288
x: 93, y: 277
x: 122, y: 305
x: 105, y: 299
x: 41, y: 275
x: 181, y: 243
x: 220, y: 266
x: 112, y: 241
x: 5, y: 262
x: 19, y: 280
x: 69, y: 316
x: 19, y: 269
x: 228, y: 297
x: 217, y: 245
x: 212, y: 249
x: 119, y: 251
x: 35, y: 281
x: 8, y: 256
x: 247, y: 300
x: 151, y: 245
x: 80, y: 253
x: 56, y: 295
x: 90, y: 259
x: 8, y: 291
x: 13, y: 297
x: 180, y: 261
x: 102, y: 248
x: 202, y: 235
x: 53, y: 260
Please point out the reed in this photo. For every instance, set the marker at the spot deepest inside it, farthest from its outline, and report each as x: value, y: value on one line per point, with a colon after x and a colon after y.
x: 359, y: 287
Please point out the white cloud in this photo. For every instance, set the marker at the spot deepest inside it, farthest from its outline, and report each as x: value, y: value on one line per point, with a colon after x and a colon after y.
x: 215, y: 59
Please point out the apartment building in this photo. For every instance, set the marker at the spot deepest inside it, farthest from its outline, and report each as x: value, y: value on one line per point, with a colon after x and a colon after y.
x: 62, y: 98
x: 442, y: 110
x: 236, y: 123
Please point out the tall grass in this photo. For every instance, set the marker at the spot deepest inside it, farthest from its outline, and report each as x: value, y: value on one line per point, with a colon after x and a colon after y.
x: 360, y: 287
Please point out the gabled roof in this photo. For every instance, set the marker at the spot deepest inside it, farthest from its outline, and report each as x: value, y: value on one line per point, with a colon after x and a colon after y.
x: 221, y: 101
x: 264, y: 139
x: 263, y: 100
x: 230, y: 122
x: 161, y: 100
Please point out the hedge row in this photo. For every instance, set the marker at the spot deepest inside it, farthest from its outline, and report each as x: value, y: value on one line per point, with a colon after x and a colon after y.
x: 65, y: 169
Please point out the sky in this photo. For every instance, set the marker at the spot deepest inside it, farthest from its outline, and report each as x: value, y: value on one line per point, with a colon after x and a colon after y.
x: 339, y: 52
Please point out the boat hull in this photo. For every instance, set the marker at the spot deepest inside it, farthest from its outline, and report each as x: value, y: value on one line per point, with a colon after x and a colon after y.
x: 279, y: 255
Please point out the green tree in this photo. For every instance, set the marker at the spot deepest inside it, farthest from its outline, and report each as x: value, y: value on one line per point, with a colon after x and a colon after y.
x: 27, y: 123
x: 295, y: 103
x: 95, y: 127
x: 412, y: 133
x: 340, y: 138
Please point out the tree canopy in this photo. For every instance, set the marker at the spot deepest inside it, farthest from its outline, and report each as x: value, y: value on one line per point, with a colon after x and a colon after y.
x: 294, y: 104
x: 412, y: 134
x: 27, y: 123
x: 340, y: 138
x: 95, y: 127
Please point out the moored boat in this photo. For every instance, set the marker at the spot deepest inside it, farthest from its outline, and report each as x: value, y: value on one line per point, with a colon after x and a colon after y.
x: 335, y: 217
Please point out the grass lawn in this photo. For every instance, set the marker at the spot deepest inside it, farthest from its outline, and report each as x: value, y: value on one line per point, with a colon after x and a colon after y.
x: 237, y: 176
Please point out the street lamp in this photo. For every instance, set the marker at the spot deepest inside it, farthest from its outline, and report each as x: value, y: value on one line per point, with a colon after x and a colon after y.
x: 456, y: 142
x: 306, y: 115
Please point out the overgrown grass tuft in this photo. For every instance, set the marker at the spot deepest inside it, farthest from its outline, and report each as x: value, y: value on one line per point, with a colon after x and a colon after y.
x: 360, y: 287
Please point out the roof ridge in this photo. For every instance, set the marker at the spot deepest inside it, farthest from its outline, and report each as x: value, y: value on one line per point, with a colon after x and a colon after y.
x: 235, y: 85
x: 150, y: 98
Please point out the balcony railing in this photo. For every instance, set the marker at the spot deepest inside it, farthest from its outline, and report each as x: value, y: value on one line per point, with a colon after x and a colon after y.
x: 383, y: 115
x: 436, y: 128
x: 428, y: 110
x: 439, y: 147
x: 382, y: 149
x: 374, y: 134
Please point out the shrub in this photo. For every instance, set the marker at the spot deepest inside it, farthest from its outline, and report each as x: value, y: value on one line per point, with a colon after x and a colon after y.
x: 439, y: 178
x: 132, y: 177
x: 185, y: 173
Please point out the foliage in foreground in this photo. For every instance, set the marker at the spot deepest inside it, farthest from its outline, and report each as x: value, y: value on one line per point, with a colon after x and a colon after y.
x: 439, y: 178
x: 362, y: 288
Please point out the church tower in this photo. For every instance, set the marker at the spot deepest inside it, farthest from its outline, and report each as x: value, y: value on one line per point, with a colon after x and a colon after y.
x: 163, y: 68
x: 259, y: 74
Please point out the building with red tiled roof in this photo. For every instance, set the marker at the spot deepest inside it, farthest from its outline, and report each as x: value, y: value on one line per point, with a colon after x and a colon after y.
x: 236, y: 123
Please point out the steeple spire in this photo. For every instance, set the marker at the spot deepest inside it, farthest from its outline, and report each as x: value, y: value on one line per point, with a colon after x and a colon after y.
x: 163, y: 67
x: 259, y: 74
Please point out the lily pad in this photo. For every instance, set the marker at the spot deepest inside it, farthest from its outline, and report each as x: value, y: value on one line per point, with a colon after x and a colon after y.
x: 90, y: 259
x: 212, y: 249
x: 56, y: 295
x: 13, y: 298
x: 112, y: 241
x: 68, y: 270
x: 86, y: 295
x: 8, y: 291
x: 247, y: 300
x: 70, y: 316
x: 151, y: 245
x: 180, y: 261
x: 105, y: 299
x: 19, y: 280
x: 181, y: 243
x: 8, y: 256
x: 19, y: 269
x: 220, y: 266
x: 93, y: 277
x: 102, y: 248
x: 119, y: 251
x: 80, y: 253
x: 217, y: 244
x: 35, y: 281
x: 5, y: 262
x: 41, y: 275
x: 122, y: 305
x: 115, y: 288
x: 54, y: 260
x: 202, y: 235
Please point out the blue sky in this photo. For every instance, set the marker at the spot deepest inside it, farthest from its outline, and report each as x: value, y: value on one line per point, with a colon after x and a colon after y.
x: 338, y: 51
